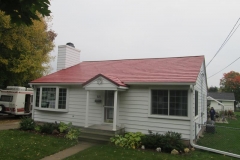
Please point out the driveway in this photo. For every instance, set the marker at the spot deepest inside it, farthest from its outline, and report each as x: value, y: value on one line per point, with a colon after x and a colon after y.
x: 8, y: 122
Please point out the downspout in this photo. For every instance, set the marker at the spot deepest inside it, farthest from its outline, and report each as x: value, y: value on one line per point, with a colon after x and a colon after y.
x: 192, y: 134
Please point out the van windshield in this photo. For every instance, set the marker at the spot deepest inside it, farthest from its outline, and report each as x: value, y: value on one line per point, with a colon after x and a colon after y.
x: 6, y: 98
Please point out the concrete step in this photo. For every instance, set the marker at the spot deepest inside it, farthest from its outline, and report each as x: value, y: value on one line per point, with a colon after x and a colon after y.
x: 97, y: 135
x: 93, y: 139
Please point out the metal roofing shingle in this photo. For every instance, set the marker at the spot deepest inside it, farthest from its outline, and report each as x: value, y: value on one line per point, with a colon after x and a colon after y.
x: 153, y: 70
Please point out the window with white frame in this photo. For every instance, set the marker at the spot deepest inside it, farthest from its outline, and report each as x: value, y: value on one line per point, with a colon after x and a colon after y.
x: 169, y: 102
x: 51, y: 98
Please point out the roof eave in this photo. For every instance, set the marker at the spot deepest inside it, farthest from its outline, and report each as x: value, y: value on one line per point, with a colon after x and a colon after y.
x: 160, y: 83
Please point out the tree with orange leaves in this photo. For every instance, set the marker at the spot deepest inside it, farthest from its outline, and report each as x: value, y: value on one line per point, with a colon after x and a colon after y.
x: 231, y: 83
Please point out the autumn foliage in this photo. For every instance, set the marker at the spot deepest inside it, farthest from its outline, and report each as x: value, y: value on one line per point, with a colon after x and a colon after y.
x: 231, y: 83
x: 24, y: 51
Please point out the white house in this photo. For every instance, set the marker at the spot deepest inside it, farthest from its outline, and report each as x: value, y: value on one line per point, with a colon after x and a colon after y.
x: 154, y: 94
x: 227, y: 100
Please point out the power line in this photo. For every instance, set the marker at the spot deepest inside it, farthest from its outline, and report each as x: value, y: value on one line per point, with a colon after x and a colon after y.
x: 224, y: 68
x: 226, y: 40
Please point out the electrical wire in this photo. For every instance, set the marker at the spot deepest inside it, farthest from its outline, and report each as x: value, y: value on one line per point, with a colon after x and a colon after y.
x: 225, y: 41
x: 224, y: 68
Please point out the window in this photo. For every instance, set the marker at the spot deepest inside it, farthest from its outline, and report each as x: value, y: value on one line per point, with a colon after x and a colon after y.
x: 109, y: 98
x: 6, y: 98
x: 62, y: 98
x: 51, y: 98
x: 48, y: 97
x: 37, y: 97
x: 169, y: 102
x: 196, y: 103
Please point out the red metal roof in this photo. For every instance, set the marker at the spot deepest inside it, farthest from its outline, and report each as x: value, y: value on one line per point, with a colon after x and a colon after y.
x: 154, y: 70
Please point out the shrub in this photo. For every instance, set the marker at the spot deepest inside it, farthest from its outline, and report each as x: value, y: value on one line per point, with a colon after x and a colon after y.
x: 129, y: 140
x: 38, y: 128
x: 63, y: 127
x: 49, y: 127
x: 73, y: 133
x: 27, y: 123
x: 172, y: 140
x: 230, y: 113
x: 152, y: 141
x: 167, y: 142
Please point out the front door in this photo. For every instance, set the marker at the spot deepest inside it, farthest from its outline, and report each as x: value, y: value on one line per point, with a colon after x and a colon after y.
x: 108, y: 106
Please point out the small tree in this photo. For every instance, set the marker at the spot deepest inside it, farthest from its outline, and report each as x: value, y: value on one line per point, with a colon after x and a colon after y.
x: 213, y: 89
x: 231, y: 83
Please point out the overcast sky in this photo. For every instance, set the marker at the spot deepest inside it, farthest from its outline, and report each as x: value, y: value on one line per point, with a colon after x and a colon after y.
x: 131, y: 29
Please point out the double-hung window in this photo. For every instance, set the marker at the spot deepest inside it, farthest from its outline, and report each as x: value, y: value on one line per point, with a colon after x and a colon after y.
x: 169, y: 102
x: 51, y: 98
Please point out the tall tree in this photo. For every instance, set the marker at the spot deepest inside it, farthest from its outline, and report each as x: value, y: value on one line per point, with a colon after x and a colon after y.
x: 25, y: 11
x: 213, y: 89
x: 24, y: 51
x: 231, y: 83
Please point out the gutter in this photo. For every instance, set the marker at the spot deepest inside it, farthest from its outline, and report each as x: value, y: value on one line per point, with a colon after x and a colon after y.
x: 202, y: 147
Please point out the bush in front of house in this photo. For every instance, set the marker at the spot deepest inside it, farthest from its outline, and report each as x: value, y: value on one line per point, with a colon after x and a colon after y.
x: 152, y: 140
x: 73, y: 133
x: 167, y: 142
x: 128, y: 140
x: 48, y: 128
x: 27, y: 123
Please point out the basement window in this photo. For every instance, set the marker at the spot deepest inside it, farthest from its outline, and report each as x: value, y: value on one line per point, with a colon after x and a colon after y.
x: 51, y: 98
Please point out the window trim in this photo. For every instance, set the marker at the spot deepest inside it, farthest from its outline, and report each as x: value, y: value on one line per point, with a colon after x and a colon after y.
x: 150, y: 115
x: 56, y: 99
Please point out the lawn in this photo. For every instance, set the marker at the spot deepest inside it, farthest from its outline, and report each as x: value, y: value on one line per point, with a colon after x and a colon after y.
x: 108, y: 152
x: 225, y: 139
x: 16, y: 144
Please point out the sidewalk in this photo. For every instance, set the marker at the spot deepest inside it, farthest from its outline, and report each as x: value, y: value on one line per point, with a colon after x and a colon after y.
x: 69, y: 151
x: 6, y: 126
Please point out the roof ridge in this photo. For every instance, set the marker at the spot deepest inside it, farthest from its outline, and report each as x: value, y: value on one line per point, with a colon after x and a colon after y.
x: 142, y: 58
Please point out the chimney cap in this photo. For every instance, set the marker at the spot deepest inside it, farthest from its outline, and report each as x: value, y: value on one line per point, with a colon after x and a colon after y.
x: 70, y: 44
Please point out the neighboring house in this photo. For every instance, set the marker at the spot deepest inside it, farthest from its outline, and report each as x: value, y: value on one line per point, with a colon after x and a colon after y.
x: 138, y: 94
x: 227, y: 99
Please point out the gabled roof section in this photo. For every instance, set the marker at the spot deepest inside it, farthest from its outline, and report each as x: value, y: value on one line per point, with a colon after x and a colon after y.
x: 112, y: 79
x: 222, y: 95
x: 152, y: 70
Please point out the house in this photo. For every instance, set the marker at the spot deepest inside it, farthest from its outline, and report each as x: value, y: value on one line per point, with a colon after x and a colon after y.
x: 154, y: 94
x: 227, y: 100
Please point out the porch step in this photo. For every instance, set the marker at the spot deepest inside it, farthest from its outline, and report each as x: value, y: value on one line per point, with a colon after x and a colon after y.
x: 98, y: 135
x: 93, y: 139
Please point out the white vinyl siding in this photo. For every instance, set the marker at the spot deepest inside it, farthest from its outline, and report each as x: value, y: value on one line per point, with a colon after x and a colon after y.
x: 201, y: 87
x: 67, y: 57
x: 134, y: 109
x: 228, y: 105
x: 76, y: 109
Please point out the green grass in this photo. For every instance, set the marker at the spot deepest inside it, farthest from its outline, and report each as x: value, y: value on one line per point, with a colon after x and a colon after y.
x: 20, y: 145
x: 108, y: 152
x: 225, y: 139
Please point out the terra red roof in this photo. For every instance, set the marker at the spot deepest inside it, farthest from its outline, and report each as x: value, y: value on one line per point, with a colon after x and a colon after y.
x: 154, y: 70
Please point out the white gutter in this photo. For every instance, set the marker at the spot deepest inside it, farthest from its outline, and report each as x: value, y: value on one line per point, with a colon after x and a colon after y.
x: 201, y: 147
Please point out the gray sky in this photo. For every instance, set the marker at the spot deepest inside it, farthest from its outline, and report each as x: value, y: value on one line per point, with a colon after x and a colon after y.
x: 131, y: 29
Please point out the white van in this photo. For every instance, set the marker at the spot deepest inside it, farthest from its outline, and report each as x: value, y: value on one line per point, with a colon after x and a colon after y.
x: 16, y: 100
